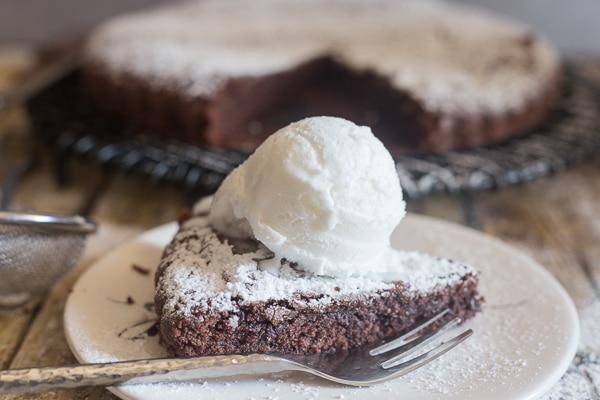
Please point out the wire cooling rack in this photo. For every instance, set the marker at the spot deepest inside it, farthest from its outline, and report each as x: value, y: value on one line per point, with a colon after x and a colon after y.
x: 571, y: 133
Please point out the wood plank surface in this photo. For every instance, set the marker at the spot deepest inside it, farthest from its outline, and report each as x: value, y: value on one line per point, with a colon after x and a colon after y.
x: 555, y: 220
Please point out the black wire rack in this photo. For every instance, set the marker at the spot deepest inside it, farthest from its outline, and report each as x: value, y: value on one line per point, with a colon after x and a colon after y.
x: 68, y: 124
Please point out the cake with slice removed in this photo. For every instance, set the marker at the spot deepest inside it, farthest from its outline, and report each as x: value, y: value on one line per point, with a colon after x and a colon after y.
x: 427, y: 76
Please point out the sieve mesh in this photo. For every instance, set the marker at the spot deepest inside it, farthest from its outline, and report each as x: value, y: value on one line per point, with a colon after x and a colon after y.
x: 33, y: 258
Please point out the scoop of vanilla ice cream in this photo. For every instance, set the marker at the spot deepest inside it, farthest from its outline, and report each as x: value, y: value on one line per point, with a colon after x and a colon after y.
x: 321, y: 192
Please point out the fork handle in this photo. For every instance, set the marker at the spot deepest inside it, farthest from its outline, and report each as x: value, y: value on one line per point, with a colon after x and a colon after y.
x: 42, y: 379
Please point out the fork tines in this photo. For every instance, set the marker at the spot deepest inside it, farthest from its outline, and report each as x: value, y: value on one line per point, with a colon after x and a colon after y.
x: 412, y: 342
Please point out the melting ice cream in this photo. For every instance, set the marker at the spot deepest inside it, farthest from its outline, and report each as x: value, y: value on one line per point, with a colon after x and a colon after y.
x: 322, y: 192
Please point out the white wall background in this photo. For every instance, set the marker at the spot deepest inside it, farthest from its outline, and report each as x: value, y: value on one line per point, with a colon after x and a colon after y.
x: 571, y: 24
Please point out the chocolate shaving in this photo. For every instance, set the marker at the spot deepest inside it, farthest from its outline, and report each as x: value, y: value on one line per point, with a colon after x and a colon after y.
x: 139, y: 269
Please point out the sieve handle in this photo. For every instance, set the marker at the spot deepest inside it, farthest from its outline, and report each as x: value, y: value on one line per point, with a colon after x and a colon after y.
x: 40, y: 79
x: 72, y: 223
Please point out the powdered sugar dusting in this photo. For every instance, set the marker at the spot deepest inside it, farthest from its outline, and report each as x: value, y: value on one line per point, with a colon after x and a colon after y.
x: 451, y: 58
x: 202, y: 272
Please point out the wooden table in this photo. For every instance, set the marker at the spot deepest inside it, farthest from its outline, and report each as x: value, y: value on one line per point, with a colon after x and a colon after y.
x: 555, y: 219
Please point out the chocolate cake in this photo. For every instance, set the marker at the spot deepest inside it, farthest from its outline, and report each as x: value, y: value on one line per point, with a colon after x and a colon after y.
x: 427, y: 76
x: 213, y: 297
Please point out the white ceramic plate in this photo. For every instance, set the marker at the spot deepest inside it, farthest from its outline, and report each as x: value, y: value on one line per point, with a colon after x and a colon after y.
x: 524, y: 340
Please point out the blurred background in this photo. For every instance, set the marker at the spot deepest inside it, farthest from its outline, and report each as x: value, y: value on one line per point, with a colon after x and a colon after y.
x: 571, y: 25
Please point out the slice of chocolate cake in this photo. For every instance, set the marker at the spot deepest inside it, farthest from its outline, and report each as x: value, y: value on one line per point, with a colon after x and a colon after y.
x: 294, y: 254
x: 213, y: 297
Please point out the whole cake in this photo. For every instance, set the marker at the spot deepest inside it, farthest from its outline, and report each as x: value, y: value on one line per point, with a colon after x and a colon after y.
x: 293, y: 254
x: 427, y: 76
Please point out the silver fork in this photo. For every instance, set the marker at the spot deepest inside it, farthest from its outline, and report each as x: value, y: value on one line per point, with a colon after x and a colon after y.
x: 359, y: 367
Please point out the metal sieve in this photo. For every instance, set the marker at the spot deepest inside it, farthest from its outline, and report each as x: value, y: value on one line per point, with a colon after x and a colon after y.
x: 36, y: 249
